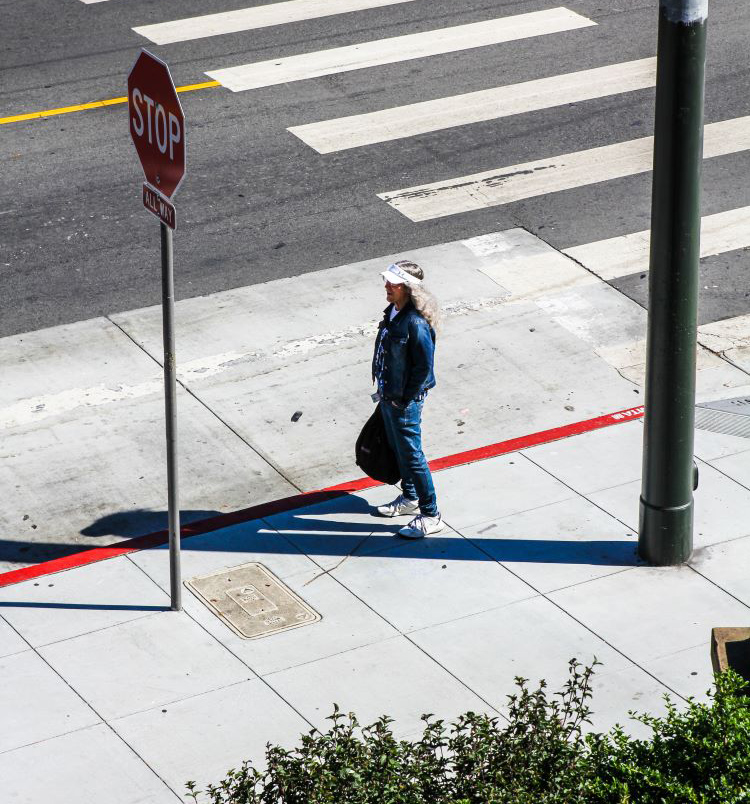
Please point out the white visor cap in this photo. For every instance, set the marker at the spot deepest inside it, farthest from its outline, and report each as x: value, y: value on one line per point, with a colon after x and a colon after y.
x: 397, y: 276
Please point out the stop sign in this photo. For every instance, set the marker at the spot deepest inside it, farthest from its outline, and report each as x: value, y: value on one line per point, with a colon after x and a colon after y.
x: 157, y: 123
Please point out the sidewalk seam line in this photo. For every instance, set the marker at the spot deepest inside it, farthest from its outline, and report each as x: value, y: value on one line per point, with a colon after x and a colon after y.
x: 331, y: 655
x: 231, y: 652
x: 532, y: 596
x: 571, y: 585
x: 575, y: 619
x: 586, y: 497
x: 721, y: 588
x: 599, y: 637
x: 717, y: 544
x: 516, y: 513
x: 51, y: 736
x: 176, y: 701
x: 720, y: 355
x: 97, y: 630
x: 231, y: 429
x: 681, y: 650
x: 724, y: 474
x: 399, y: 632
x: 102, y: 720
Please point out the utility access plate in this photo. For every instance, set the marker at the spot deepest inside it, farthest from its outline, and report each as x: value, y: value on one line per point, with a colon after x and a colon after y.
x: 728, y: 416
x: 252, y: 601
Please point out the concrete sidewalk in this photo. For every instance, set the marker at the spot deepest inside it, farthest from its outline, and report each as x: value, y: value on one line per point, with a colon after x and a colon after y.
x: 531, y: 340
x: 109, y: 696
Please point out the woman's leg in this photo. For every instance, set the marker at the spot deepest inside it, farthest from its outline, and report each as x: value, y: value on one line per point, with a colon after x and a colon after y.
x: 407, y: 433
x: 390, y: 416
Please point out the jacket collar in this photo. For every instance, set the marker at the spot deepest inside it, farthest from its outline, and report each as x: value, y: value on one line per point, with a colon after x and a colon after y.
x: 405, y: 308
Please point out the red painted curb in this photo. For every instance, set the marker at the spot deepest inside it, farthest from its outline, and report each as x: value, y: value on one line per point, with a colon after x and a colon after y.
x: 309, y: 498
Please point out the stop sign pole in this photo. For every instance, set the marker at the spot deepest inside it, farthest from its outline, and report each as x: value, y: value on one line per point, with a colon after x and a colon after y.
x: 157, y: 126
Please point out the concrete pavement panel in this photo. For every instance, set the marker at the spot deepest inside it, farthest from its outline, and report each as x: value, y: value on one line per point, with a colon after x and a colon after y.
x: 591, y: 463
x: 433, y: 570
x: 531, y: 638
x: 557, y: 544
x: 391, y: 677
x: 84, y: 446
x: 347, y: 623
x: 37, y: 703
x: 722, y: 506
x: 144, y: 663
x: 10, y: 641
x: 517, y: 484
x: 69, y: 604
x: 218, y: 731
x: 710, y: 445
x: 725, y: 564
x: 91, y: 764
x: 689, y: 606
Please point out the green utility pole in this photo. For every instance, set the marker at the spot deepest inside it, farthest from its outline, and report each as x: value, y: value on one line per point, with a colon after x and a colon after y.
x: 666, y: 510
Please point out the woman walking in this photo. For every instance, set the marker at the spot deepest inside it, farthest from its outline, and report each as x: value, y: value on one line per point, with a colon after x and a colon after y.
x: 402, y: 366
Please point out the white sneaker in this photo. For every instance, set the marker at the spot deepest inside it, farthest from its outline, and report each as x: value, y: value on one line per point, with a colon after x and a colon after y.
x: 399, y: 507
x: 422, y: 526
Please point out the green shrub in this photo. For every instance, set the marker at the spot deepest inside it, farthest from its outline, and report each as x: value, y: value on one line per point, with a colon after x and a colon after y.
x: 538, y: 756
x: 700, y: 755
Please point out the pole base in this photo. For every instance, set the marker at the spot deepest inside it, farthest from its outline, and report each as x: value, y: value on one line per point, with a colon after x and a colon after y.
x: 665, y: 535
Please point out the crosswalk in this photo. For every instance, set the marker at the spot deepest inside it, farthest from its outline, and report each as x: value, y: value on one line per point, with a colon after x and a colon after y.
x: 490, y: 186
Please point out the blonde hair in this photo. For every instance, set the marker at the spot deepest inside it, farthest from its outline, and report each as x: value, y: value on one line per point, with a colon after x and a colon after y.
x: 425, y: 303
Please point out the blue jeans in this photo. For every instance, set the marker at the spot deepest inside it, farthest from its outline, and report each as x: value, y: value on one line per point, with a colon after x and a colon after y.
x: 403, y: 428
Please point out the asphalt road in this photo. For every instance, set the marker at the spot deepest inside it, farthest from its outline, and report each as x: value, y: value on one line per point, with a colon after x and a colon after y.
x: 258, y: 203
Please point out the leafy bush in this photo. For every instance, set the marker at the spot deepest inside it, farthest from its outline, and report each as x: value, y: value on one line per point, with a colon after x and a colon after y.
x: 700, y: 755
x: 697, y: 756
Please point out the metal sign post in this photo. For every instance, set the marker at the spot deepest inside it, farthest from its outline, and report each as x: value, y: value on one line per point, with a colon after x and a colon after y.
x: 170, y: 405
x: 157, y: 126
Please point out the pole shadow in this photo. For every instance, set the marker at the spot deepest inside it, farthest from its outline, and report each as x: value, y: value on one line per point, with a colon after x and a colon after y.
x: 306, y: 531
x: 30, y: 604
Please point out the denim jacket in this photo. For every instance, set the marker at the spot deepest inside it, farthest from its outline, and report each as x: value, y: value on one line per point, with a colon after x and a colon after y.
x: 408, y: 344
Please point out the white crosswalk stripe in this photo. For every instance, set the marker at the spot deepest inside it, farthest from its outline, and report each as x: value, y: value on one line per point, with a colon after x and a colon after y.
x: 475, y: 107
x: 629, y: 254
x: 550, y: 175
x: 248, y: 19
x: 398, y: 48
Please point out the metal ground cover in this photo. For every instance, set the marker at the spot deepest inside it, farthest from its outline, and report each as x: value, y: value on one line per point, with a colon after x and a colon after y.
x: 252, y: 601
x: 728, y: 416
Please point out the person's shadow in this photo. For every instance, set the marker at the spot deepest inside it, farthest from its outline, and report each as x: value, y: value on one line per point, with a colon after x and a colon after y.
x: 139, y: 522
x: 104, y: 531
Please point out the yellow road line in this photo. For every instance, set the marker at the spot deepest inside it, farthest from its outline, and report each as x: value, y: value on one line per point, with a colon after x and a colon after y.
x: 94, y: 104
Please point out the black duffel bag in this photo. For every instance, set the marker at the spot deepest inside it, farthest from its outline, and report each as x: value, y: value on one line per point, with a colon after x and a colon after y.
x: 374, y: 454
